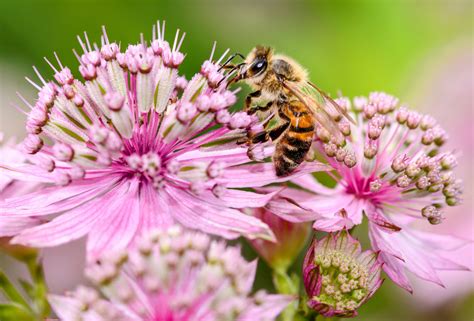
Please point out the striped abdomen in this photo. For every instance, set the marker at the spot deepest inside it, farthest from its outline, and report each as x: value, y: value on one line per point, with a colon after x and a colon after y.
x: 292, y: 147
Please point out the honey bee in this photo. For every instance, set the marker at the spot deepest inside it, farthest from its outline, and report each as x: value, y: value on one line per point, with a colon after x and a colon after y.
x: 283, y: 85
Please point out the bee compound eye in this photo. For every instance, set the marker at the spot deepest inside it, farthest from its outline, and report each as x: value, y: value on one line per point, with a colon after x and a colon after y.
x: 259, y: 66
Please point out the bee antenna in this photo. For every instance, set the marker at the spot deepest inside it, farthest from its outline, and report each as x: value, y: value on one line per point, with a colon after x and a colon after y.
x: 231, y: 57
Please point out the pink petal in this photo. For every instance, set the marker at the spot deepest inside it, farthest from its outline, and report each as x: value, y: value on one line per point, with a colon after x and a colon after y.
x: 154, y: 211
x: 229, y: 223
x: 25, y: 172
x: 67, y: 308
x: 333, y: 224
x: 229, y: 156
x: 56, y: 199
x: 422, y: 254
x: 238, y: 199
x: 10, y: 226
x: 270, y: 308
x: 288, y: 204
x: 68, y: 226
x: 382, y: 221
x: 118, y: 224
x: 310, y: 183
x: 247, y: 288
x: 256, y: 175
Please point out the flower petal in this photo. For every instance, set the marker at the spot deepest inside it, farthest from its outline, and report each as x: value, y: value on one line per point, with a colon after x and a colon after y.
x: 269, y: 309
x: 10, y: 226
x: 238, y: 199
x: 65, y: 307
x: 256, y: 175
x: 213, y: 219
x: 68, y: 226
x: 118, y: 223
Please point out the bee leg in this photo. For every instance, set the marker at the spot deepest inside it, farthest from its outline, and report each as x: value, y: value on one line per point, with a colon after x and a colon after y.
x: 275, y: 133
x: 250, y: 97
x: 261, y: 137
x: 272, y: 134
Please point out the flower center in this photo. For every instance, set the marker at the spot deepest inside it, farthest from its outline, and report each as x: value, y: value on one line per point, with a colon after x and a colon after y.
x: 150, y: 167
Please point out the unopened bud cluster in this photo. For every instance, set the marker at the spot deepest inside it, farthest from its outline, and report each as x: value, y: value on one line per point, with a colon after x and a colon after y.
x: 338, y: 277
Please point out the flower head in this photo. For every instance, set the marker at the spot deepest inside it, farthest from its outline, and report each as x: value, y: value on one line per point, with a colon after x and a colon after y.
x: 173, y: 275
x: 136, y: 146
x: 393, y: 169
x: 395, y: 160
x: 339, y: 277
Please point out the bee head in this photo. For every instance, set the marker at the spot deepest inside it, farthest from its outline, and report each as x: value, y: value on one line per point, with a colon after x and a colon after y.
x: 254, y: 67
x: 256, y: 62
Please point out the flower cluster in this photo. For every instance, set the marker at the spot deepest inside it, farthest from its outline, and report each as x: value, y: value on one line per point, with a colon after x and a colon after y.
x: 136, y: 146
x: 394, y: 170
x: 338, y: 276
x: 172, y: 275
x: 143, y: 162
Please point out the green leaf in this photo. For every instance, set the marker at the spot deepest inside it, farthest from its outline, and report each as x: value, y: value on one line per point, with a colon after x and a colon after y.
x: 15, y: 312
x: 10, y: 291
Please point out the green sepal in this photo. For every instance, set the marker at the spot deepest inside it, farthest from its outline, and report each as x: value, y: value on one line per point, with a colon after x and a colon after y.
x: 8, y: 288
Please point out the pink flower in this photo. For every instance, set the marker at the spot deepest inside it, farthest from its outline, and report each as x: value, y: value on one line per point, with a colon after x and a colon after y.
x: 394, y: 170
x: 173, y: 275
x: 338, y: 277
x: 134, y: 147
x: 290, y: 240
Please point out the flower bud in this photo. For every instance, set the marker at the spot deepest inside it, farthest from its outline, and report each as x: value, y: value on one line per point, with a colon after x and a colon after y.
x: 290, y: 240
x: 338, y: 277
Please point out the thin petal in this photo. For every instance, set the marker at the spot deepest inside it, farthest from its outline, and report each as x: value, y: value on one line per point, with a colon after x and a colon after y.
x: 10, y: 226
x: 118, y: 224
x: 256, y: 175
x: 209, y: 218
x: 238, y: 199
x: 68, y: 226
x: 66, y: 308
x: 270, y: 308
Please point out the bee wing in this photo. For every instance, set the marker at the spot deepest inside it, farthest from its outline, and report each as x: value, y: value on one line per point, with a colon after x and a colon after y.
x: 319, y: 105
x: 331, y: 101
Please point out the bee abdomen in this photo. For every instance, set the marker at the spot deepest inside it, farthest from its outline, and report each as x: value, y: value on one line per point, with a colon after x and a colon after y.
x: 290, y: 152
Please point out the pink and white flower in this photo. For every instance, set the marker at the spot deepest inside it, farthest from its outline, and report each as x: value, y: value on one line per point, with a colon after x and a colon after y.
x: 172, y: 275
x: 338, y: 277
x: 394, y: 171
x: 134, y: 147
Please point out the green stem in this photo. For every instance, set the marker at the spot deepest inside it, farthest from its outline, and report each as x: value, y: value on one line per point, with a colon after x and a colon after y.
x: 40, y: 290
x: 284, y: 284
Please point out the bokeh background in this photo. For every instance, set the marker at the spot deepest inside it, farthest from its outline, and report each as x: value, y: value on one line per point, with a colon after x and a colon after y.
x: 420, y: 51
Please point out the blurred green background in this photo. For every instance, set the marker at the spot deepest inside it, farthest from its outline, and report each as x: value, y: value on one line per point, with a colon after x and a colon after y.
x: 348, y: 46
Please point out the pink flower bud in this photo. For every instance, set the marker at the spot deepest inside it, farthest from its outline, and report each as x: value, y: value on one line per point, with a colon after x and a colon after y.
x: 290, y: 240
x: 239, y: 120
x: 32, y: 144
x: 63, y: 152
x: 338, y: 277
x: 223, y: 116
x: 109, y: 51
x: 64, y: 77
x: 186, y: 112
